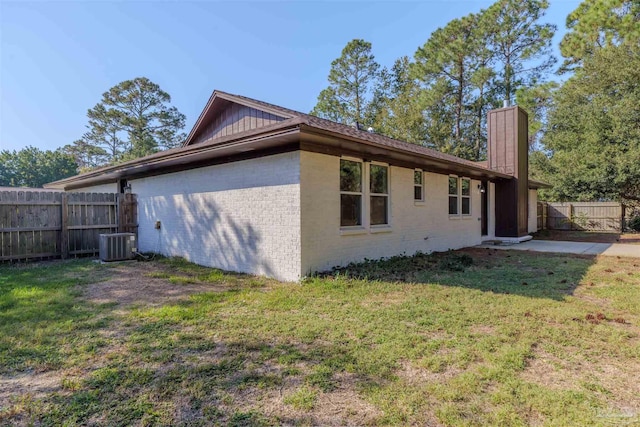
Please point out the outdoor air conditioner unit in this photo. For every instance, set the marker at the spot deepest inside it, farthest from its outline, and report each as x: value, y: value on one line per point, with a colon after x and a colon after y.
x: 117, y: 246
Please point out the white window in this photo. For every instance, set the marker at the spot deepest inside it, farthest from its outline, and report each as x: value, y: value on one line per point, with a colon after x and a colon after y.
x: 379, y: 194
x: 418, y: 185
x: 350, y: 193
x: 465, y: 193
x: 453, y: 195
x: 459, y: 196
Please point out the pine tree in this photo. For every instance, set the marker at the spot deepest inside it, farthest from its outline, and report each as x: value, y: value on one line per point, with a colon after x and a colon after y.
x: 596, y: 24
x: 351, y: 79
x: 593, y: 134
x: 521, y: 45
x: 132, y: 120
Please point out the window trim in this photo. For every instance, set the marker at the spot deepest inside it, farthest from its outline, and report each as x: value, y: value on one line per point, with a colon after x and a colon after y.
x: 459, y: 196
x: 456, y: 195
x: 421, y: 186
x: 365, y: 202
x: 462, y: 196
x: 372, y: 194
x: 361, y: 193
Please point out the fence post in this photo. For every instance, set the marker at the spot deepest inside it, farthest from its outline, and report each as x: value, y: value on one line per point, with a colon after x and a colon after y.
x: 122, y: 206
x: 118, y: 213
x: 623, y: 215
x: 64, y: 232
x: 571, y: 216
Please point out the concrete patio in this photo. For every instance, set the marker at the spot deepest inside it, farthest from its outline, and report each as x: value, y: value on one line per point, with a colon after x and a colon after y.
x: 581, y: 248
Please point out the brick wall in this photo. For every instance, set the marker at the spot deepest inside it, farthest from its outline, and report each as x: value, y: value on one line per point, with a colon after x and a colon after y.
x: 242, y: 216
x: 280, y: 216
x: 414, y: 227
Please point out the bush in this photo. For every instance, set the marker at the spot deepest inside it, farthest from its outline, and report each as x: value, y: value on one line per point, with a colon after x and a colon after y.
x: 455, y: 262
x: 402, y: 267
x: 634, y: 223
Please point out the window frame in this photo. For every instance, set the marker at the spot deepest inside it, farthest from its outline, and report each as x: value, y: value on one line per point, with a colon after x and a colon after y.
x: 467, y: 196
x: 421, y: 200
x: 365, y: 200
x: 456, y: 195
x: 361, y: 193
x: 371, y: 194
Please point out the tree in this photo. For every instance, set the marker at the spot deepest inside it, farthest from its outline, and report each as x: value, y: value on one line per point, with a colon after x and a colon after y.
x: 448, y: 55
x: 455, y: 66
x: 395, y: 110
x: 521, y: 46
x: 132, y: 120
x: 596, y: 24
x: 536, y: 101
x: 484, y: 89
x: 330, y: 106
x: 31, y: 167
x: 86, y: 155
x: 351, y: 77
x: 593, y: 134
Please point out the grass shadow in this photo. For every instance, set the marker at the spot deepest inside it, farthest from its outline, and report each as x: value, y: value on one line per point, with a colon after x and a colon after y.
x: 442, y: 342
x: 529, y: 274
x: 38, y: 306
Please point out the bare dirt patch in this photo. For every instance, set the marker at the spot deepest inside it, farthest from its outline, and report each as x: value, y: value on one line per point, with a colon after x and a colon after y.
x: 483, y: 329
x: 619, y: 383
x: 633, y: 239
x: 385, y: 300
x: 343, y: 406
x: 123, y: 284
x: 339, y: 407
x: 485, y: 255
x: 417, y: 375
x: 35, y: 384
x: 128, y: 283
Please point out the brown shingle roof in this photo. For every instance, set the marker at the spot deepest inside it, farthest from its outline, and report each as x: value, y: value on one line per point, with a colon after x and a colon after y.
x: 293, y: 119
x: 350, y: 131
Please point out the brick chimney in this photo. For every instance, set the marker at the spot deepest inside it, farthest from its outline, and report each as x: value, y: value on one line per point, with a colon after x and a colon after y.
x: 508, y: 152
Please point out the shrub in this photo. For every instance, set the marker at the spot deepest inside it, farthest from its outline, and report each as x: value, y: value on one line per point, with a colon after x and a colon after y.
x: 402, y: 267
x: 455, y: 262
x: 634, y: 223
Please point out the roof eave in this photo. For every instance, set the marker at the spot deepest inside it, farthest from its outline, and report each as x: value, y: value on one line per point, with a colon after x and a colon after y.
x: 536, y: 185
x: 248, y: 141
x: 443, y: 165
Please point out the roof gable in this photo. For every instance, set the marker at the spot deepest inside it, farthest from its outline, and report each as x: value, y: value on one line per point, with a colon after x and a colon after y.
x: 229, y: 126
x: 226, y: 115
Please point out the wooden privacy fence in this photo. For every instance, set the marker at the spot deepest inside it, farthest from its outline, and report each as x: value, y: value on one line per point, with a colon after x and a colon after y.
x: 542, y: 209
x: 587, y: 216
x: 44, y: 224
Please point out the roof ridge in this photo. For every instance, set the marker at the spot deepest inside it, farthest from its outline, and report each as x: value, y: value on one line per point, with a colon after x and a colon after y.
x: 284, y: 110
x: 345, y: 129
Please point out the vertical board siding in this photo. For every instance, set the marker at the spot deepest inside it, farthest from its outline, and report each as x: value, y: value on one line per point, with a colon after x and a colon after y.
x: 508, y: 153
x: 235, y: 119
x: 44, y: 224
x: 588, y: 216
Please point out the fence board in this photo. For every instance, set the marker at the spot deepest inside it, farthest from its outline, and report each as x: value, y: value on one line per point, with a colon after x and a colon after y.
x: 586, y: 216
x: 44, y: 224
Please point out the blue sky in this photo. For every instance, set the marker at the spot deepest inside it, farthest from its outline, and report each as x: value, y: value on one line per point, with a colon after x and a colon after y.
x: 58, y: 57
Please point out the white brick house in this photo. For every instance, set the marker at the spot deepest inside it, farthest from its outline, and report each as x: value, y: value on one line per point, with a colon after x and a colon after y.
x: 261, y: 189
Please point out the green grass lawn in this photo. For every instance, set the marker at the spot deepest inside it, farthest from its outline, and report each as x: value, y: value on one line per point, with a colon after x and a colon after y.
x: 475, y: 337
